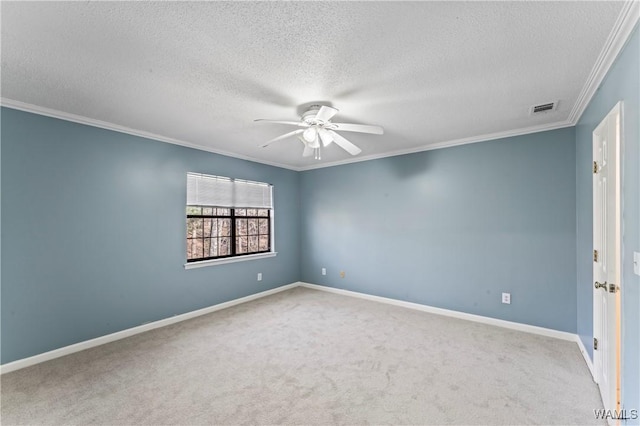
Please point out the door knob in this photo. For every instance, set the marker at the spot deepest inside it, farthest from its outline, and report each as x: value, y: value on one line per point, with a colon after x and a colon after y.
x: 601, y: 285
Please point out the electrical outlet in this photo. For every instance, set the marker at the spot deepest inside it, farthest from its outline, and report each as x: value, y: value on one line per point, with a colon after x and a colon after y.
x: 506, y: 298
x: 259, y: 276
x: 342, y: 274
x: 324, y: 271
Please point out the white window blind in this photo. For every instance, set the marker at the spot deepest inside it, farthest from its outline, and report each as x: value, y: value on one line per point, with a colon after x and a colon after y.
x: 206, y: 190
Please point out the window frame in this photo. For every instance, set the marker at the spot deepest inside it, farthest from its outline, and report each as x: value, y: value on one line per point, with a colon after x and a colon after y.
x: 233, y: 237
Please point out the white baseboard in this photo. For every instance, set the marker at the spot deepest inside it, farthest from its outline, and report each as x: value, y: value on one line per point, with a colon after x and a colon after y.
x: 449, y: 313
x: 585, y: 355
x: 77, y: 347
x: 470, y: 317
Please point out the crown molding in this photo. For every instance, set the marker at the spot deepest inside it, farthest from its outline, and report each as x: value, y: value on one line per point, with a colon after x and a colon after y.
x: 23, y: 106
x: 35, y: 109
x: 619, y: 35
x: 615, y: 42
x: 447, y: 144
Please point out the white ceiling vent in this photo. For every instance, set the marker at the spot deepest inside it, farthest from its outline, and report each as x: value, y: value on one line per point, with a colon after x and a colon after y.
x: 546, y: 107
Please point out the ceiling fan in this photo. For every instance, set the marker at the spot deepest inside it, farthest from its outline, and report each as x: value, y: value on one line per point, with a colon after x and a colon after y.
x: 318, y: 131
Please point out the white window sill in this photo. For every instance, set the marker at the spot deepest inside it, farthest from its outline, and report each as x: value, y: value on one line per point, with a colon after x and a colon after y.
x: 212, y: 262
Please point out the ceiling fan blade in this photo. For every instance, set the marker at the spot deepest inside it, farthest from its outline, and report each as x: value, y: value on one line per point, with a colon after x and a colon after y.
x: 325, y: 136
x: 345, y: 144
x: 293, y: 123
x: 286, y: 135
x: 362, y: 128
x: 308, y: 151
x: 325, y: 113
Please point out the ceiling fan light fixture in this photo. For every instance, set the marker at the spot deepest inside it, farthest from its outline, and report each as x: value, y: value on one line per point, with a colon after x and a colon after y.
x: 310, y: 134
x: 325, y: 137
x: 315, y: 143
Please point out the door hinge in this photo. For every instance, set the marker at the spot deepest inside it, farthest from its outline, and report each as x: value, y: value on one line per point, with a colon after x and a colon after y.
x: 595, y: 255
x: 595, y: 344
x: 595, y: 167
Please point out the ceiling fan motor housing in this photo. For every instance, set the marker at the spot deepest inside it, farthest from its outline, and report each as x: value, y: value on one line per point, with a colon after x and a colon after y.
x: 310, y: 114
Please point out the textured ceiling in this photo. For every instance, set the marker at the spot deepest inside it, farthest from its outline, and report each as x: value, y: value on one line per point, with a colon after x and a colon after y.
x: 428, y: 72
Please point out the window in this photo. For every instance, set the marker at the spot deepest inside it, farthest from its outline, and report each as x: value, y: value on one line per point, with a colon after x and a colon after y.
x: 227, y: 217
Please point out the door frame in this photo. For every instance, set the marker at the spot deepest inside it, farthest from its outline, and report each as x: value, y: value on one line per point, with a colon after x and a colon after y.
x: 616, y: 348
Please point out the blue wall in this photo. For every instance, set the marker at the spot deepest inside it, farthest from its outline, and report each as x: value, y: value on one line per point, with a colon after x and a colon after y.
x: 452, y: 228
x: 621, y: 83
x: 93, y: 236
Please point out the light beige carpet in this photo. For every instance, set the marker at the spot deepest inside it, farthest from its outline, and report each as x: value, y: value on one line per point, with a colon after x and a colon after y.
x: 310, y: 357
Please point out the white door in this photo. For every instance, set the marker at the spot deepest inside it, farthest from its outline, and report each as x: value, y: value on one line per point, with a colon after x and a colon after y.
x: 606, y: 256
